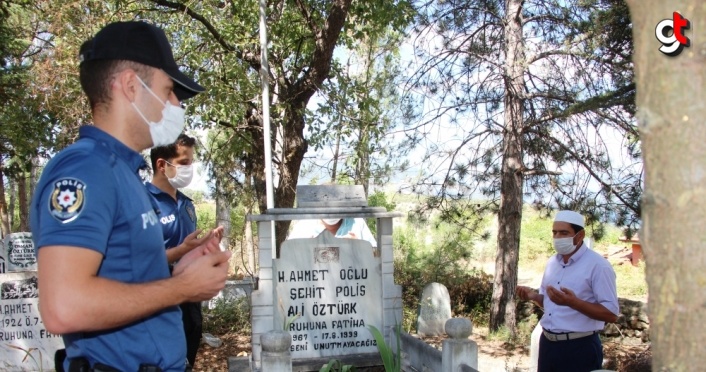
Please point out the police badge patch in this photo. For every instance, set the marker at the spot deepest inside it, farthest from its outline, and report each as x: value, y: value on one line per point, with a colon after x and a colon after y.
x: 191, y: 212
x: 66, y: 201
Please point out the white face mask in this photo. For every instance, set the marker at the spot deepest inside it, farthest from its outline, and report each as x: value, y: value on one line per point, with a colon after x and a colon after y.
x: 167, y: 130
x: 184, y: 174
x: 330, y: 221
x: 564, y: 246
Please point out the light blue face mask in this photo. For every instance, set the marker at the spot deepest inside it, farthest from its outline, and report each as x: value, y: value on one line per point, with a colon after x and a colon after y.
x: 167, y: 130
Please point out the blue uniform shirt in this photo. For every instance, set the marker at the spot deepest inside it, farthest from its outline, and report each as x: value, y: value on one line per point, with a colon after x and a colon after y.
x: 177, y: 217
x: 91, y: 196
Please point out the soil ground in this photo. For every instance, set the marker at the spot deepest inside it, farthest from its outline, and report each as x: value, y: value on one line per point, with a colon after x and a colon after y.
x: 493, y: 355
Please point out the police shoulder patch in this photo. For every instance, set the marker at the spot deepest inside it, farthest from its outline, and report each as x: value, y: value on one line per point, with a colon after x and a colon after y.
x: 191, y: 212
x: 67, y: 199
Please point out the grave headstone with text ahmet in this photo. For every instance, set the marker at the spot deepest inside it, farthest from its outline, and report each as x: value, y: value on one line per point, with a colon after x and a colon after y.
x: 328, y: 291
x: 21, y: 329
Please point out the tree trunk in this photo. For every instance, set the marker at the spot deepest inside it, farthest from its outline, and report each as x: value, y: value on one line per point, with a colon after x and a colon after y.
x: 4, y: 215
x: 13, y: 201
x: 294, y: 147
x: 336, y: 156
x: 511, y: 180
x: 670, y: 116
x: 23, y: 202
x: 362, y: 174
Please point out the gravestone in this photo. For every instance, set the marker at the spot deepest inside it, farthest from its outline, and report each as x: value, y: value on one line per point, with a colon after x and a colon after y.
x: 19, y: 252
x: 329, y: 290
x: 325, y: 291
x: 22, y: 331
x: 434, y: 310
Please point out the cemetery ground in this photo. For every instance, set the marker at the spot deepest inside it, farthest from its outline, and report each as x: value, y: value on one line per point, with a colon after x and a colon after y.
x: 470, y: 293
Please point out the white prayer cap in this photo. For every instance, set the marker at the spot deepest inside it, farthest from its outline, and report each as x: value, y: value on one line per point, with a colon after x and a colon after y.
x: 570, y: 217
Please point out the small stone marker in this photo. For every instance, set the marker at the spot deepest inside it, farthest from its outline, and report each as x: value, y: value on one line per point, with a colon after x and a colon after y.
x: 19, y: 252
x: 434, y: 310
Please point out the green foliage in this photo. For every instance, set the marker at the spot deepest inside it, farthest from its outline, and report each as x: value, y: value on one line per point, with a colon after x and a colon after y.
x: 289, y: 320
x: 378, y: 199
x: 205, y: 216
x: 535, y: 236
x: 227, y: 316
x: 417, y: 265
x: 27, y: 127
x: 391, y: 361
x: 631, y: 280
x: 197, y: 196
x: 521, y: 337
x: 335, y: 365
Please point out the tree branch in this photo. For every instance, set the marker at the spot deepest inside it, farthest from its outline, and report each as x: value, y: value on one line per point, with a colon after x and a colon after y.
x: 252, y: 59
x: 581, y: 160
x: 539, y: 172
x: 615, y: 98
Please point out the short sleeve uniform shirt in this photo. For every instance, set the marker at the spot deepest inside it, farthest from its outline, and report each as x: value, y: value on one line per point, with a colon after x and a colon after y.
x: 91, y: 196
x: 177, y: 217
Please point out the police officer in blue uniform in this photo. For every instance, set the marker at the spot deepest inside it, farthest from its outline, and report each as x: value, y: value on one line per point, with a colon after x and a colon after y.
x: 172, y: 167
x: 104, y: 281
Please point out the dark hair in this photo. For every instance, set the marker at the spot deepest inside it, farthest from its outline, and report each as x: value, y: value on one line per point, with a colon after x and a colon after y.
x: 170, y: 151
x: 576, y: 228
x: 96, y: 76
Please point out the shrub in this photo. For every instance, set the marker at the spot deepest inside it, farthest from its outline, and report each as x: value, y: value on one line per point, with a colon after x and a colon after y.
x: 229, y: 315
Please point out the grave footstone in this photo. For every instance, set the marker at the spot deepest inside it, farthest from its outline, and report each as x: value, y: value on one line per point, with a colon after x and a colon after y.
x: 434, y: 310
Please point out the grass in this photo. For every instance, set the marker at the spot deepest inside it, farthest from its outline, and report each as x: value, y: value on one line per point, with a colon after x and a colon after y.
x: 631, y: 281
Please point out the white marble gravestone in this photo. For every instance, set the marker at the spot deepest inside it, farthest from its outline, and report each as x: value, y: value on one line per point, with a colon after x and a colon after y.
x: 21, y: 327
x: 346, y: 277
x: 434, y: 310
x: 328, y: 291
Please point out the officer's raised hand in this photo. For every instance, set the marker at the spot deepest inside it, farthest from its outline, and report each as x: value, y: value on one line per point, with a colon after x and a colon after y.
x: 203, y: 271
x: 190, y: 242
